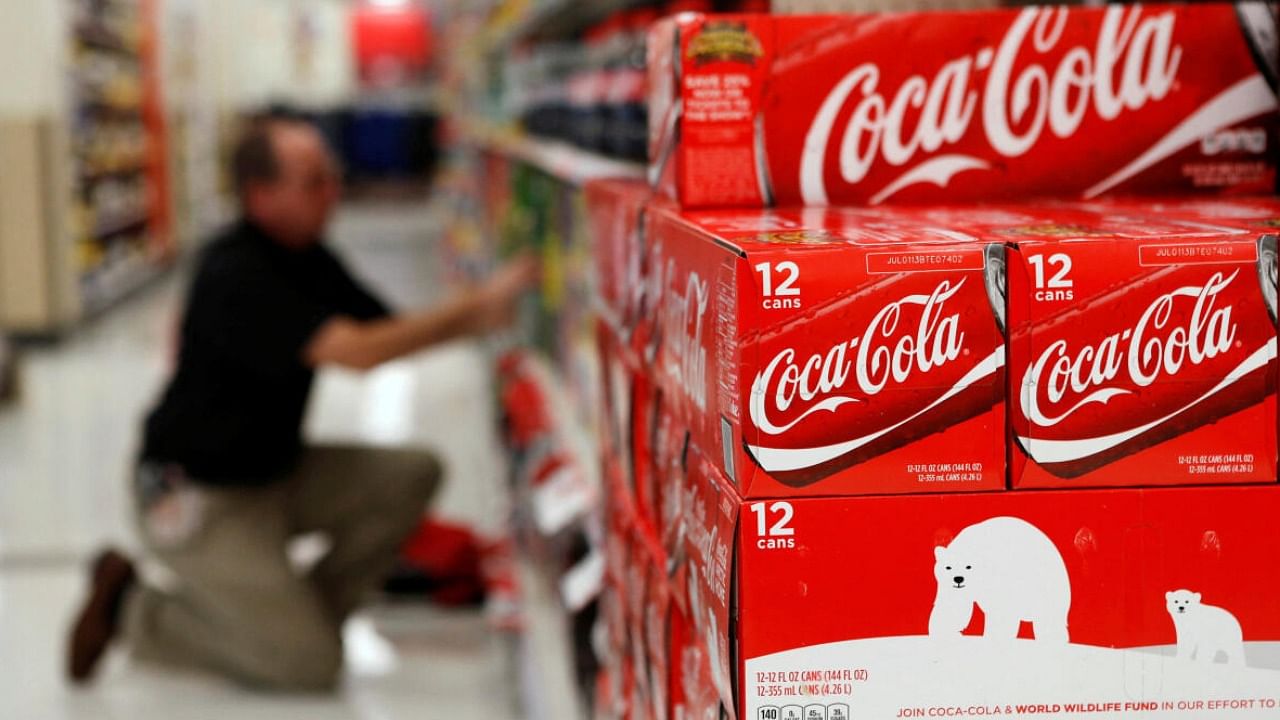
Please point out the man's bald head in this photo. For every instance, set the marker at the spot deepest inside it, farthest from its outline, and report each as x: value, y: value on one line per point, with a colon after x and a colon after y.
x: 287, y: 179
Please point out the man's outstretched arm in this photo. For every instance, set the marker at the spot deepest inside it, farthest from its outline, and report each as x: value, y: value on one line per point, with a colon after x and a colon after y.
x: 361, y: 345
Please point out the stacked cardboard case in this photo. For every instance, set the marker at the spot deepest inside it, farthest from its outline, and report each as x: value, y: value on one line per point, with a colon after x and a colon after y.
x: 868, y: 459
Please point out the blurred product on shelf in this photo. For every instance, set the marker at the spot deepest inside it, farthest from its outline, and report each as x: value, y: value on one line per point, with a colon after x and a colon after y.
x: 113, y: 25
x: 518, y: 208
x: 589, y: 93
x: 555, y: 492
x: 569, y: 71
x: 998, y: 104
x: 92, y: 216
x: 117, y: 145
x: 448, y: 563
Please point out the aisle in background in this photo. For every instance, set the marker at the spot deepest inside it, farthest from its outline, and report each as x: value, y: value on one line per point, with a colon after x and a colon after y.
x: 65, y: 447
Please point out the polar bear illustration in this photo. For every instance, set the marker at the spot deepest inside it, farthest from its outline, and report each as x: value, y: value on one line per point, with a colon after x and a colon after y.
x: 1204, y: 631
x: 1011, y: 570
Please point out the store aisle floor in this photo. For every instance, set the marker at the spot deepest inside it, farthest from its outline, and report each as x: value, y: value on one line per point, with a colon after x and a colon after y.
x: 65, y: 445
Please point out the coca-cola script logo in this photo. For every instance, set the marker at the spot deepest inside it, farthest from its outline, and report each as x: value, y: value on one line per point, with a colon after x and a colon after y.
x: 1133, y: 62
x: 1154, y: 348
x: 890, y: 349
x: 685, y: 320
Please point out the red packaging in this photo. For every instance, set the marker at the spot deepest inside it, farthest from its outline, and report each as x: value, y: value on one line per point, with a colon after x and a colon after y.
x: 615, y: 213
x: 752, y: 110
x: 695, y: 695
x: 616, y: 617
x: 679, y: 685
x: 646, y: 408
x: 624, y: 385
x: 657, y: 640
x: 611, y: 693
x: 670, y: 458
x: 1054, y: 603
x: 831, y: 352
x: 619, y: 521
x: 633, y: 408
x: 704, y: 576
x: 1259, y: 214
x: 637, y: 575
x: 1142, y: 351
x: 603, y: 705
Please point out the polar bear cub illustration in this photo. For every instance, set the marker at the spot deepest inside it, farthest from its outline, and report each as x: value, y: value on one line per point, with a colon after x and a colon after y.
x: 1204, y: 631
x: 1010, y: 569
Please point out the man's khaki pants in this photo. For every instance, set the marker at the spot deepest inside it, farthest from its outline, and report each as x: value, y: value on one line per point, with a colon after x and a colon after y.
x: 240, y: 608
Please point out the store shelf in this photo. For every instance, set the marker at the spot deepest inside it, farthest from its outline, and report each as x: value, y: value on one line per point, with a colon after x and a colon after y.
x: 91, y: 176
x: 544, y: 659
x: 565, y: 499
x: 117, y: 226
x: 101, y: 38
x: 558, y: 159
x: 104, y: 286
x: 112, y: 110
x: 557, y: 19
x: 556, y: 498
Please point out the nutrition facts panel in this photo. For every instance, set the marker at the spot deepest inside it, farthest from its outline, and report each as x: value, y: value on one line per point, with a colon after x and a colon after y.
x: 837, y: 711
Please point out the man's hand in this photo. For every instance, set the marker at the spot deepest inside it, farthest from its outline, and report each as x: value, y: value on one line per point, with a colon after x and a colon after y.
x: 364, y: 345
x: 497, y: 297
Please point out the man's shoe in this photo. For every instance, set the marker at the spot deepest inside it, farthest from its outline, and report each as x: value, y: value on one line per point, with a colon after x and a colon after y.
x: 98, y: 623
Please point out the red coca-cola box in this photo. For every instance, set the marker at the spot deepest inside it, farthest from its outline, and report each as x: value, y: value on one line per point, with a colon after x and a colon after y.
x: 1260, y: 214
x: 646, y: 413
x: 647, y: 604
x: 622, y: 599
x: 615, y: 216
x: 622, y: 380
x: 684, y: 685
x: 1110, y: 603
x: 701, y: 576
x: 830, y: 352
x: 757, y: 110
x: 693, y: 693
x: 1142, y: 348
x: 657, y: 637
x: 638, y: 574
x: 613, y: 692
x: 636, y: 428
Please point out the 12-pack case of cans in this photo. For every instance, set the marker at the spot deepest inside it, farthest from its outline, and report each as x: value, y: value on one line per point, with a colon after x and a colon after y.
x: 752, y: 110
x: 860, y: 351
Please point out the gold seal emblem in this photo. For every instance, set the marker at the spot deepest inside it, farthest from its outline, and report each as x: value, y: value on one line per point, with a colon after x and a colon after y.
x: 725, y: 41
x: 796, y: 237
x: 1055, y: 230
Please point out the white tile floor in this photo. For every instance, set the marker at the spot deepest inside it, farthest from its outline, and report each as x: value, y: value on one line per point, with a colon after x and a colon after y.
x: 67, y: 440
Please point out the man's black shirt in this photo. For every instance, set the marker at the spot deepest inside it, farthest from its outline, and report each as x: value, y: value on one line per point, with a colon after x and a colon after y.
x: 232, y: 414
